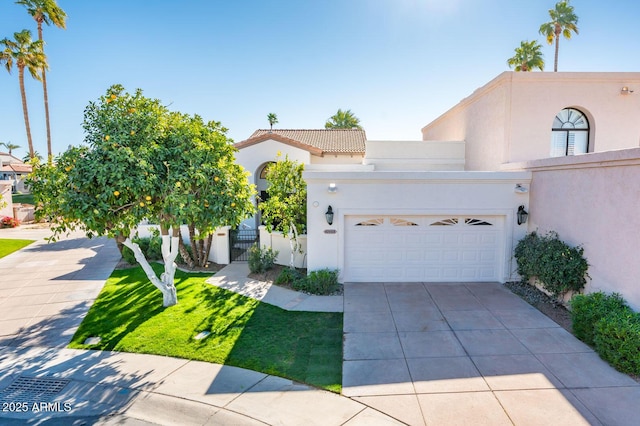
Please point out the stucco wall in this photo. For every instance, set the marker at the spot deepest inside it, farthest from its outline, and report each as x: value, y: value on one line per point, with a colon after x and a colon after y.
x: 510, y: 118
x: 415, y: 155
x: 407, y: 193
x: 593, y: 200
x: 281, y: 243
x: 253, y: 157
x: 482, y: 121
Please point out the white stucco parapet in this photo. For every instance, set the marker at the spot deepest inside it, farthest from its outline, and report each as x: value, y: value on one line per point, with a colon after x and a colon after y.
x: 432, y: 177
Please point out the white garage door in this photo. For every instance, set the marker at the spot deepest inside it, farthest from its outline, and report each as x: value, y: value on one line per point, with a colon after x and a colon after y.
x: 423, y: 248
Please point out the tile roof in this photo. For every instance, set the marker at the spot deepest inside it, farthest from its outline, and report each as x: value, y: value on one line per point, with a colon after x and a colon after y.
x: 17, y: 168
x: 317, y: 141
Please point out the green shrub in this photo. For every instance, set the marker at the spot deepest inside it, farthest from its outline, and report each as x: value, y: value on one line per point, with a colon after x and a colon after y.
x: 557, y: 266
x: 588, y: 309
x: 261, y: 259
x: 287, y: 276
x: 151, y: 248
x: 322, y: 282
x: 617, y: 340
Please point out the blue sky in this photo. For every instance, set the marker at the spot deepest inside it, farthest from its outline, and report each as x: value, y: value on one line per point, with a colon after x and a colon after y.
x: 397, y: 64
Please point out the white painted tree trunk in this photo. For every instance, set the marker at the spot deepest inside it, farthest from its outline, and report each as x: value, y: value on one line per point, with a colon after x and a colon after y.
x: 294, y: 244
x: 164, y: 283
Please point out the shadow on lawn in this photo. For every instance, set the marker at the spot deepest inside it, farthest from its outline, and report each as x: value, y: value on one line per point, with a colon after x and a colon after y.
x: 128, y: 316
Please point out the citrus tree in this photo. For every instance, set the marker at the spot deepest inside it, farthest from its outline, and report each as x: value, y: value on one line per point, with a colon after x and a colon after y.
x: 139, y: 162
x: 286, y: 208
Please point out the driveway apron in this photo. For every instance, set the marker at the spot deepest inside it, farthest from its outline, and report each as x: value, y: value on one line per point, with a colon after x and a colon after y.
x: 473, y: 353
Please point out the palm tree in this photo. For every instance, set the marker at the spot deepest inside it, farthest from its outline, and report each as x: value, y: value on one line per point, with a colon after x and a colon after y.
x: 26, y: 54
x: 563, y: 21
x: 48, y: 12
x: 273, y: 119
x: 10, y: 146
x: 343, y: 120
x: 528, y: 56
x: 28, y: 157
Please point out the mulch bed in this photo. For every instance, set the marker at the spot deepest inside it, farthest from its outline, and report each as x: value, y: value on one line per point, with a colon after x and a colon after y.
x: 545, y: 304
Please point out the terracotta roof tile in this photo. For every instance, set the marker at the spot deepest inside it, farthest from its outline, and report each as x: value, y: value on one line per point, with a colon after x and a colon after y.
x: 351, y: 141
x: 18, y: 168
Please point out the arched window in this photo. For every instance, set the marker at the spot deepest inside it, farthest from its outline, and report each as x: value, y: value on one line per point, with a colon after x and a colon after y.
x: 570, y: 133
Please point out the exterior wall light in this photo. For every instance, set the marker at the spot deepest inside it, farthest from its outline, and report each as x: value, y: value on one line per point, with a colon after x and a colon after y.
x: 329, y: 215
x: 625, y: 91
x: 332, y: 188
x: 522, y: 215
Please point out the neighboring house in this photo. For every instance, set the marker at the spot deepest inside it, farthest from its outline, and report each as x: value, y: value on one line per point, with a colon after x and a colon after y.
x: 14, y: 170
x: 578, y: 134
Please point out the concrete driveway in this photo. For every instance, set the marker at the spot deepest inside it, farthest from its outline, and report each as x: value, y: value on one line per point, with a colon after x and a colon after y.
x: 444, y: 354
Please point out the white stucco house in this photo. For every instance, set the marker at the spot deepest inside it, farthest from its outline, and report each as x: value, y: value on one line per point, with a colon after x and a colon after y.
x: 402, y: 210
x: 565, y: 147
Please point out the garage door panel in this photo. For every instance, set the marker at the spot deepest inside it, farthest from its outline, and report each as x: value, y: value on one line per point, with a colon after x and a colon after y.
x: 470, y: 256
x: 415, y: 256
x: 433, y: 239
x: 431, y: 256
x: 488, y: 256
x: 450, y: 273
x: 450, y: 239
x: 394, y: 256
x: 488, y: 240
x: 449, y: 255
x: 413, y: 249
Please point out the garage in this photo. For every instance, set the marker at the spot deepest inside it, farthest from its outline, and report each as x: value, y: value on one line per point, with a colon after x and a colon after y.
x: 449, y: 248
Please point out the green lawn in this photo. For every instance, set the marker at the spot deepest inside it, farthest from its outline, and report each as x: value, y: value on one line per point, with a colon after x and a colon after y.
x: 128, y: 316
x: 23, y: 198
x: 8, y: 246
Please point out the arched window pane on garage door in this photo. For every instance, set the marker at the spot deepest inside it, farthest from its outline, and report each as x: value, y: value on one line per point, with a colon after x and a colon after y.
x: 570, y: 133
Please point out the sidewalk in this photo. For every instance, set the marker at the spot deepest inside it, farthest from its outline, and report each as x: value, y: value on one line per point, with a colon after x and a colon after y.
x: 234, y: 277
x: 46, y: 290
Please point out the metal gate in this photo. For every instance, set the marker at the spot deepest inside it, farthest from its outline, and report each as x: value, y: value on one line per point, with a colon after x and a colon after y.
x: 240, y: 240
